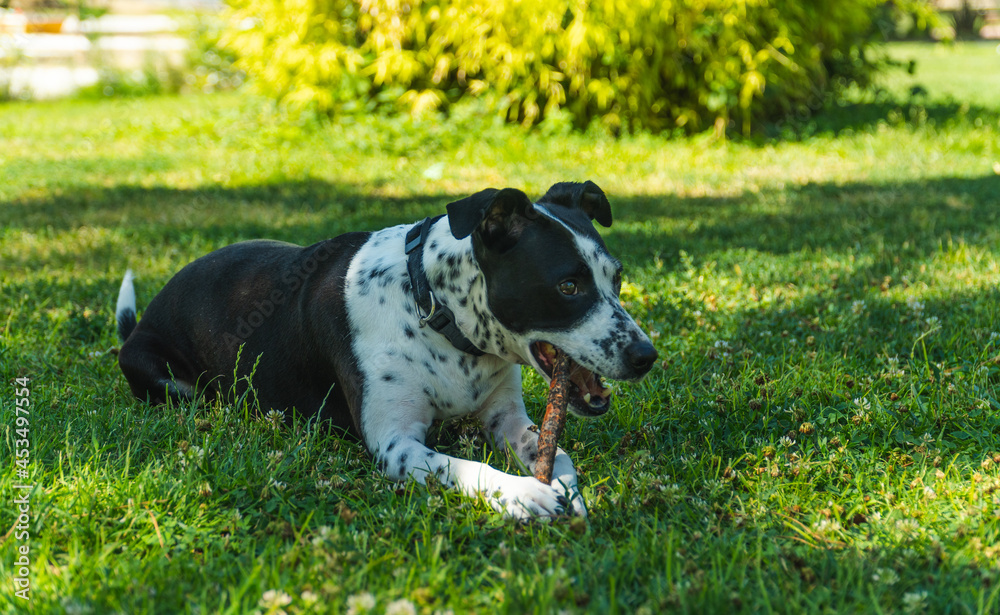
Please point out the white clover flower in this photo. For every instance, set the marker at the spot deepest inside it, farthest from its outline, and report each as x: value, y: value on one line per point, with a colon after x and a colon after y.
x: 858, y: 307
x: 323, y: 534
x: 826, y: 527
x: 914, y: 602
x: 194, y: 455
x: 892, y: 369
x: 907, y: 526
x: 862, y: 403
x: 885, y: 575
x: 401, y: 607
x: 672, y: 491
x: 274, y: 599
x: 275, y: 418
x: 916, y: 306
x: 71, y: 607
x: 360, y: 603
x: 786, y: 442
x: 309, y: 598
x: 277, y: 484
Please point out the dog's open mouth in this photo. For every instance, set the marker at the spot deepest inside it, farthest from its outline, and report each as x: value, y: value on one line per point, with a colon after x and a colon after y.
x: 587, y: 394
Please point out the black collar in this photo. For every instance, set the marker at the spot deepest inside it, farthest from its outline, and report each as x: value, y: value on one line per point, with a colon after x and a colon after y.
x: 431, y: 311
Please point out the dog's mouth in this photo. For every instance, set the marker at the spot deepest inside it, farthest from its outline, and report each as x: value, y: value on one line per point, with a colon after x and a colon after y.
x: 587, y: 394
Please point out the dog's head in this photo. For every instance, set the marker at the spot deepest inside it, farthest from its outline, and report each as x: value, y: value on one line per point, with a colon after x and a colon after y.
x: 551, y: 283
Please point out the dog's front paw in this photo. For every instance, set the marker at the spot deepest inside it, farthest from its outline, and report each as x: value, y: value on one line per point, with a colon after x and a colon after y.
x: 577, y: 507
x: 525, y: 498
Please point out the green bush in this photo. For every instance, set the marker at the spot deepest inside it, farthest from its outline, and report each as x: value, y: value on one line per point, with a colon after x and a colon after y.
x: 629, y: 64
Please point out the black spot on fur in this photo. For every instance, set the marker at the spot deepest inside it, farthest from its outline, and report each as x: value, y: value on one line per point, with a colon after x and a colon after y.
x: 378, y: 272
x: 392, y: 445
x: 388, y: 377
x: 409, y: 332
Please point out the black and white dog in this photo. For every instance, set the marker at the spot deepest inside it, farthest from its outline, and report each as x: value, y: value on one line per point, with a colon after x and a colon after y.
x: 384, y: 332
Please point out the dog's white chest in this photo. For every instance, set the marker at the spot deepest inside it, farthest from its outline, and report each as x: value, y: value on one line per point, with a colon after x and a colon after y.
x: 399, y: 357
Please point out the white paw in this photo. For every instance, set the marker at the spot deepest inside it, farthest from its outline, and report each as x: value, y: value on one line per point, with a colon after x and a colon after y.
x: 525, y: 498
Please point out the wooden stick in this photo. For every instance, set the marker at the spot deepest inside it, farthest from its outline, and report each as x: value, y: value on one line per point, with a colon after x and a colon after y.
x: 554, y: 419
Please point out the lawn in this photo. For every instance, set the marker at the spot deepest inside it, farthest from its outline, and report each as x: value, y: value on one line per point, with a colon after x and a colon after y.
x: 822, y: 435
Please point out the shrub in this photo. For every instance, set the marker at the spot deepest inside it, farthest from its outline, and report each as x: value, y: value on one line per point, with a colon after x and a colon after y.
x: 629, y: 64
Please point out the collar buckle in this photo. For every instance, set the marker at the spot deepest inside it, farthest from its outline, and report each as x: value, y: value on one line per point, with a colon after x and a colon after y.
x: 423, y: 320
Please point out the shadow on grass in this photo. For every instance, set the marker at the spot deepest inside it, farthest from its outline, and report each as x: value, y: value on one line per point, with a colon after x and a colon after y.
x: 906, y: 218
x: 858, y: 117
x: 909, y: 214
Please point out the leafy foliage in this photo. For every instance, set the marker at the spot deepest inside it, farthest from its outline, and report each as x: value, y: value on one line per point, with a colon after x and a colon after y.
x: 629, y: 64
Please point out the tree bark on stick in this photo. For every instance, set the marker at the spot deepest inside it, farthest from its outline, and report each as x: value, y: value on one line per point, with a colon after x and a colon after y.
x: 554, y: 419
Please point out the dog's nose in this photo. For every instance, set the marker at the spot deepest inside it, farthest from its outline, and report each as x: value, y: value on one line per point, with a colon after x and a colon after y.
x: 641, y: 356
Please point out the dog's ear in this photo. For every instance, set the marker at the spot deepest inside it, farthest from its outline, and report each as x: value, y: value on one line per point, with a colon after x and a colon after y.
x: 586, y: 196
x: 498, y: 215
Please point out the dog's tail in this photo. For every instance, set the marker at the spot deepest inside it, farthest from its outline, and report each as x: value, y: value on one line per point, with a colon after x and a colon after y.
x: 125, y: 310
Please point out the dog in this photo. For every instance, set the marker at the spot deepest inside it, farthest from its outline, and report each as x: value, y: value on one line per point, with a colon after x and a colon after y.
x: 381, y: 333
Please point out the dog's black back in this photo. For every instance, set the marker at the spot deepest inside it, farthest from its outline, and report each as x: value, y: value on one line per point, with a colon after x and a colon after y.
x: 236, y: 306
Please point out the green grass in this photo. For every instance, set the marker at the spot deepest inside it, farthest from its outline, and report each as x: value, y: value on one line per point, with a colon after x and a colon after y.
x: 823, y: 434
x: 968, y: 72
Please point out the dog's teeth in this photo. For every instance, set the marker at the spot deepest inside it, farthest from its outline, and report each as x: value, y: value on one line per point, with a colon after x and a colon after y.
x: 605, y: 391
x: 586, y: 397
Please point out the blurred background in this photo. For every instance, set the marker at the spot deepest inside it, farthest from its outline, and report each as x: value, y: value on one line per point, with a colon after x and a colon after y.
x: 626, y: 66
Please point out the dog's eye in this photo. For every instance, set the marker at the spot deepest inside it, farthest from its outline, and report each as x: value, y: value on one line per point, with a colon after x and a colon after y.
x: 568, y: 287
x: 617, y: 281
